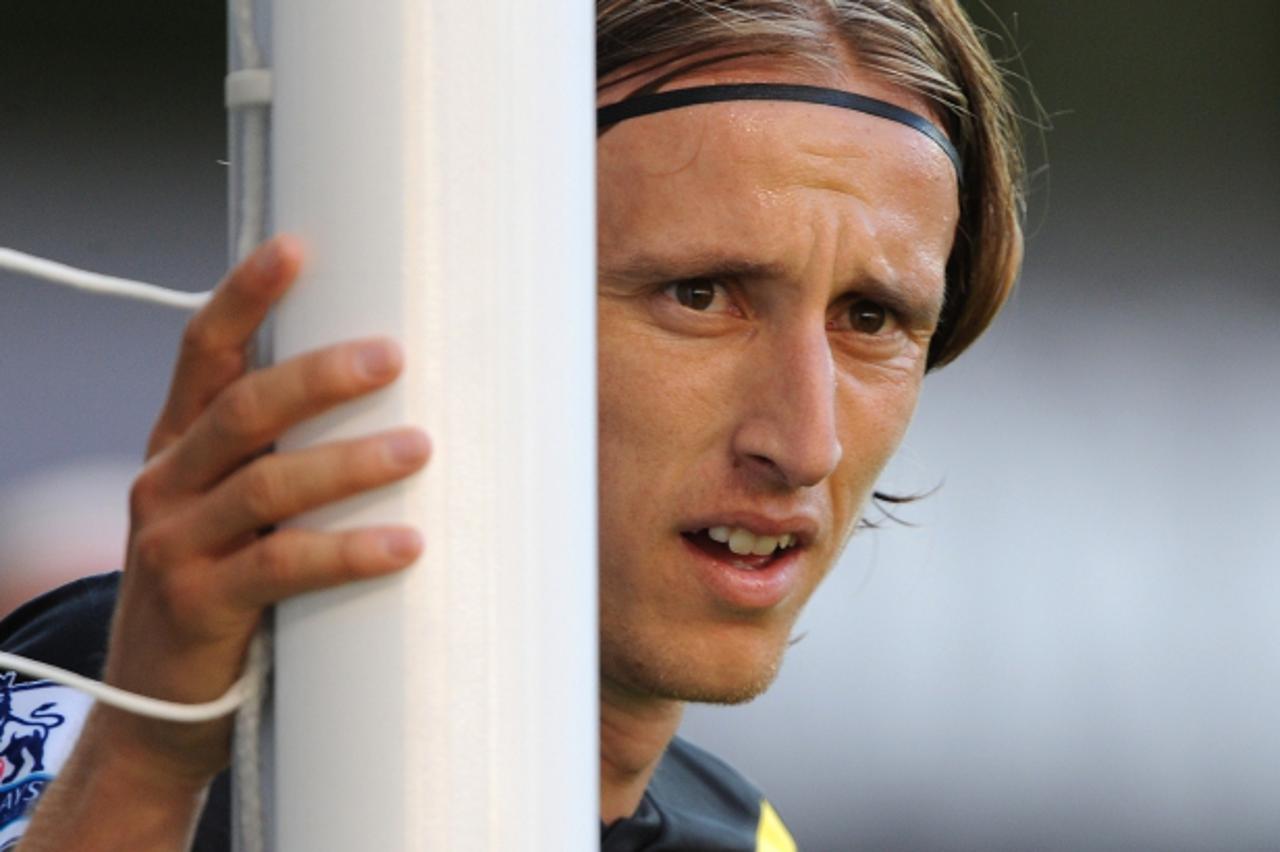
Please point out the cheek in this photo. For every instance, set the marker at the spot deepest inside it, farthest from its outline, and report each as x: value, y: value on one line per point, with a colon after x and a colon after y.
x: 659, y: 398
x: 626, y: 419
x: 662, y: 414
x: 874, y: 414
x: 644, y: 458
x: 632, y: 411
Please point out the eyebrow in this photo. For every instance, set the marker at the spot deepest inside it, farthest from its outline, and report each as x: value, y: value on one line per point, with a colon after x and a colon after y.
x: 658, y: 267
x: 911, y: 303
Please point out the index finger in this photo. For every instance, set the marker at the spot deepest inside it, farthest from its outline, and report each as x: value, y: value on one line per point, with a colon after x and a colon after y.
x: 214, y: 344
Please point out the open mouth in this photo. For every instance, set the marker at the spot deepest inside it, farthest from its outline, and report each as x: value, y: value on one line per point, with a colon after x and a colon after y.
x: 742, y: 548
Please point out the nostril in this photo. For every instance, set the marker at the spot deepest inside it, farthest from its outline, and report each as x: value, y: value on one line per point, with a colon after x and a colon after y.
x: 760, y: 464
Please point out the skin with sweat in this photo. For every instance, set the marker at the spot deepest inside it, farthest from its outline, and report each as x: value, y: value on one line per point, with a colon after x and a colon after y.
x: 770, y: 277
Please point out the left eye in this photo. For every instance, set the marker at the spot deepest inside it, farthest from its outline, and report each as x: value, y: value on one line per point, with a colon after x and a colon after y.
x: 868, y: 317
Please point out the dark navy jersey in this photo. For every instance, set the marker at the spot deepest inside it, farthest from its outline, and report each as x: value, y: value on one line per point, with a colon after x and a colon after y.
x: 68, y: 628
x: 694, y: 802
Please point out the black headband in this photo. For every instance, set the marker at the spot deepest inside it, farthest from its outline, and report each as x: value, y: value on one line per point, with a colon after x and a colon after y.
x: 607, y: 116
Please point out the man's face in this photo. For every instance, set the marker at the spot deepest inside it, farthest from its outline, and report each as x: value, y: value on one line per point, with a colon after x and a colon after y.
x: 770, y: 276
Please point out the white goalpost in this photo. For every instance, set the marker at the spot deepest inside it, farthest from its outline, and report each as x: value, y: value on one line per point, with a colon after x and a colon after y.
x: 437, y: 159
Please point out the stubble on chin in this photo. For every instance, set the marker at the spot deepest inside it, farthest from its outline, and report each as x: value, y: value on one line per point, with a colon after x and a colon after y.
x: 634, y: 667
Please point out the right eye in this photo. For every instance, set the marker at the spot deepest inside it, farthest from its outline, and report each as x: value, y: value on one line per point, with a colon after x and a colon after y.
x: 698, y: 294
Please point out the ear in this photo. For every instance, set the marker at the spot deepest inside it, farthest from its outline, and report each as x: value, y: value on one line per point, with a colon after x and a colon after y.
x: 6, y: 679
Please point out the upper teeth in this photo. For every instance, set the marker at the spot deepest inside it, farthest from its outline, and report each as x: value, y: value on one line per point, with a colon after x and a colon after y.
x: 743, y: 542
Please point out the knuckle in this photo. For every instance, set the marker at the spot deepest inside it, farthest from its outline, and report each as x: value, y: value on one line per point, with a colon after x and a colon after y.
x: 184, y: 595
x: 161, y: 437
x: 144, y: 493
x: 352, y: 555
x: 263, y: 492
x: 327, y: 374
x: 233, y: 360
x: 237, y: 413
x: 152, y: 550
x: 360, y: 466
x: 356, y: 465
x: 276, y: 562
x: 224, y: 364
x: 204, y: 345
x: 174, y: 582
x: 198, y: 336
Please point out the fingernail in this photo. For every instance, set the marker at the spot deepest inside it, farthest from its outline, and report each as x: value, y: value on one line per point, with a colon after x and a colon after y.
x: 401, y: 544
x: 378, y: 360
x: 407, y: 448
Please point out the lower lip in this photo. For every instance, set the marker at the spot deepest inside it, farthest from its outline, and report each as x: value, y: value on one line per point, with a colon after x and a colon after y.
x: 747, y: 588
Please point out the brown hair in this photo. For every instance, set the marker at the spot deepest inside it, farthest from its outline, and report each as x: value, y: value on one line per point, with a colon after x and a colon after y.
x: 928, y: 47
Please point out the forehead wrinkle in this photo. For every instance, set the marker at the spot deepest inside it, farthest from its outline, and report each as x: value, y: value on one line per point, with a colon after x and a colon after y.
x: 889, y: 203
x: 824, y: 137
x: 823, y: 161
x: 662, y: 144
x: 746, y: 170
x: 841, y: 244
x: 849, y: 247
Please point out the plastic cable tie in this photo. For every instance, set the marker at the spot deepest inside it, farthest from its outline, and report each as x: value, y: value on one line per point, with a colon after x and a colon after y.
x: 248, y: 87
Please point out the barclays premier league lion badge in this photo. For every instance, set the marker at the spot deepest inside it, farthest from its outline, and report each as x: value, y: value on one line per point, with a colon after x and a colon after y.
x: 39, y: 723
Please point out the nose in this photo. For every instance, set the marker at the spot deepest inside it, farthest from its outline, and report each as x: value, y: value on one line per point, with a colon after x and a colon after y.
x: 787, y: 435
